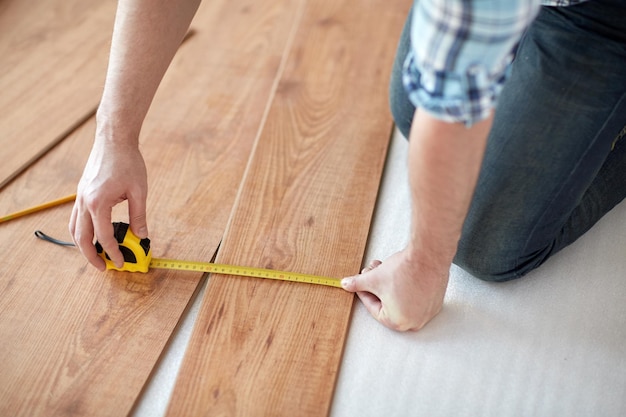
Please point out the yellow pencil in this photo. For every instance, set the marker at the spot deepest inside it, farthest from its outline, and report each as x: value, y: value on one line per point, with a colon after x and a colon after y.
x: 38, y: 208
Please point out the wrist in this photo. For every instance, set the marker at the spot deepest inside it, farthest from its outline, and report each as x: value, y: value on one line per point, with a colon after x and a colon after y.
x: 427, y: 258
x: 114, y: 127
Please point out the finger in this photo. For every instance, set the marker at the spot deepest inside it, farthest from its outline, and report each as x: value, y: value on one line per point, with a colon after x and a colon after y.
x: 371, y: 302
x: 72, y: 223
x: 83, y: 238
x: 375, y: 306
x: 137, y: 216
x: 373, y: 264
x: 103, y: 229
x: 383, y: 317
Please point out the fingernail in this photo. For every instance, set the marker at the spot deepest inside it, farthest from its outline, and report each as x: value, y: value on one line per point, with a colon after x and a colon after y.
x: 345, y: 283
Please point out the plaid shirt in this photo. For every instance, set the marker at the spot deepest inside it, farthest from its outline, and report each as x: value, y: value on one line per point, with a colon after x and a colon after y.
x: 460, y: 53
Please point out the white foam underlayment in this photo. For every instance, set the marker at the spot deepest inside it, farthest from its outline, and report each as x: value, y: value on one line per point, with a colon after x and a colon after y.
x: 550, y: 344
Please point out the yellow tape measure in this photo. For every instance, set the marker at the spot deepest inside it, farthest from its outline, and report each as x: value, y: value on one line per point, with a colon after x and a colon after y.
x: 138, y: 258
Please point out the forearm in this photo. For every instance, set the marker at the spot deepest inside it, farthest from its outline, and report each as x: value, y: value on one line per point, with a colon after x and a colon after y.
x: 444, y: 163
x: 407, y: 290
x: 146, y: 35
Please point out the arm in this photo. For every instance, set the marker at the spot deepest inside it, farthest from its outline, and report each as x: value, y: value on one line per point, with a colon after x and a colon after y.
x: 146, y: 35
x: 407, y: 290
x: 453, y: 74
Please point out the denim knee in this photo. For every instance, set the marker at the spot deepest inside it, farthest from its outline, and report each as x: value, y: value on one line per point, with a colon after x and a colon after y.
x: 487, y: 262
x: 496, y: 255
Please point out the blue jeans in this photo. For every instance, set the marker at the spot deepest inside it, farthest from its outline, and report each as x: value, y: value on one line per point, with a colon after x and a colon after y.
x: 554, y: 164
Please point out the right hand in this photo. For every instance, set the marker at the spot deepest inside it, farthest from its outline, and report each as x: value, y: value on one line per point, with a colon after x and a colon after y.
x: 115, y: 171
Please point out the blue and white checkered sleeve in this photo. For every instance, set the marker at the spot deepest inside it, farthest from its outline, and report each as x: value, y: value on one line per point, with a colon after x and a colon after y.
x: 460, y: 53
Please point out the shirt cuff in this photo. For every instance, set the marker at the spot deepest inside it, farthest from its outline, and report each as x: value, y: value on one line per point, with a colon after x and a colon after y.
x: 454, y: 97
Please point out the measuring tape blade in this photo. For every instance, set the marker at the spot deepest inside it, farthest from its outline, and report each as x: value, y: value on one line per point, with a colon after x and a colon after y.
x: 244, y: 271
x: 138, y: 258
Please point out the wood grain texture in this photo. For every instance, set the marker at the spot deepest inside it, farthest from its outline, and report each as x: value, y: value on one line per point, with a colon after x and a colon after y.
x: 54, y: 57
x: 267, y: 348
x: 77, y: 342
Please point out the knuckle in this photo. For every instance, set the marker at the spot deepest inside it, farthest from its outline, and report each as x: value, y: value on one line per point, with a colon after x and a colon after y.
x: 139, y: 218
x: 399, y: 324
x: 92, y: 203
x: 402, y: 326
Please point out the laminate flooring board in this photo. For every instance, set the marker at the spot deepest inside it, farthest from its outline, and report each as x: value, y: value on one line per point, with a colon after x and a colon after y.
x: 262, y: 347
x: 71, y: 334
x: 54, y: 56
x: 76, y: 341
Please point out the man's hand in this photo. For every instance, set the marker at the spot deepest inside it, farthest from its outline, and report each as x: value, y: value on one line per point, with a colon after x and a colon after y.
x: 407, y: 290
x: 114, y: 172
x: 400, y: 293
x: 146, y: 35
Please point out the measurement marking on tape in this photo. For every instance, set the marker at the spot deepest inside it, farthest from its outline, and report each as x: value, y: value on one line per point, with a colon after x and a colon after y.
x: 243, y: 271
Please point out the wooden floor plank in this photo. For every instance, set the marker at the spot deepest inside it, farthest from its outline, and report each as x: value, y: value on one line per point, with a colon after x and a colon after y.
x: 79, y: 342
x: 268, y: 348
x: 54, y: 56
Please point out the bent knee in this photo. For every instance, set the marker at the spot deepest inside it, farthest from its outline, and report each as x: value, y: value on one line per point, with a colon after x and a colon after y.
x: 497, y: 264
x: 486, y: 271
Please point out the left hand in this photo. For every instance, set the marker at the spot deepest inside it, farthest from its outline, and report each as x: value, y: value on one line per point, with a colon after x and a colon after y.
x: 400, y: 293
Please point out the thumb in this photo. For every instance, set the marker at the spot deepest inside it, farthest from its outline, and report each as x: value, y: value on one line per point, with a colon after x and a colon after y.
x: 364, y: 286
x: 361, y: 282
x: 356, y: 283
x: 350, y: 284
